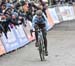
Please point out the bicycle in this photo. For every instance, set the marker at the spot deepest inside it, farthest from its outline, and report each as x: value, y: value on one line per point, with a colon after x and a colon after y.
x: 41, y: 46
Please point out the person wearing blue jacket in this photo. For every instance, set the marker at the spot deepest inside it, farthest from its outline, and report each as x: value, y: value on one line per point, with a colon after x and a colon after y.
x: 39, y: 20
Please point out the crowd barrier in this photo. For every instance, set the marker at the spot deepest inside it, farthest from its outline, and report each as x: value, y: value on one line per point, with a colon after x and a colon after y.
x: 20, y: 35
x: 16, y: 38
x: 54, y: 16
x: 27, y: 31
x: 2, y: 49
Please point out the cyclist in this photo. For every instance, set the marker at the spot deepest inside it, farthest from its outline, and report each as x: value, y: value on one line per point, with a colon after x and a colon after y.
x: 41, y: 22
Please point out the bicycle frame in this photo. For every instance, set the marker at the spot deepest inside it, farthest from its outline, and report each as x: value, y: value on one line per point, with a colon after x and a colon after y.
x: 40, y: 36
x: 41, y: 45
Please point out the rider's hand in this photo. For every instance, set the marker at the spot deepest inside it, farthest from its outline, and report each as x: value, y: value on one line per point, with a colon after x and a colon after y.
x: 31, y: 30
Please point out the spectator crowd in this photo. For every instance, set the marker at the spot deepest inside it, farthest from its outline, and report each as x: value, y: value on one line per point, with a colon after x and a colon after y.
x: 17, y: 12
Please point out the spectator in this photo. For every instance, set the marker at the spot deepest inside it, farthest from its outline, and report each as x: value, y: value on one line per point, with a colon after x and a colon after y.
x: 8, y: 4
x: 3, y: 8
x: 25, y: 6
x: 43, y: 6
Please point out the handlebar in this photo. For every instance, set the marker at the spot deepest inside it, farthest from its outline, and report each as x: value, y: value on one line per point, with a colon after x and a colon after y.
x: 31, y: 31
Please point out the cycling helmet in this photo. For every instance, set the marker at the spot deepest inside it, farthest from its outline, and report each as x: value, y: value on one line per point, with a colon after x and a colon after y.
x: 39, y: 13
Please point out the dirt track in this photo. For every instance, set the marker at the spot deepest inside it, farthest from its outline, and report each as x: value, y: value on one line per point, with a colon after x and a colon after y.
x: 61, y: 48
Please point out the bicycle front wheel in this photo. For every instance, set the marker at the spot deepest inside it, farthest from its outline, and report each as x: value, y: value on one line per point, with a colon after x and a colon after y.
x: 41, y: 51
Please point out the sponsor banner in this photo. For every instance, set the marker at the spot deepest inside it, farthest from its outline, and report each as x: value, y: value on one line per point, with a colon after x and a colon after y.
x: 2, y: 49
x: 21, y: 0
x: 16, y: 38
x: 58, y: 14
x: 27, y: 30
x: 49, y: 18
x: 66, y: 13
x: 71, y: 10
x: 11, y: 43
x: 54, y: 15
x: 20, y: 35
x: 74, y: 10
x: 45, y: 0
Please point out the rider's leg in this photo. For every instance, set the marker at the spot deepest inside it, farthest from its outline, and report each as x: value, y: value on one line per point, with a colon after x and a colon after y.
x: 36, y: 36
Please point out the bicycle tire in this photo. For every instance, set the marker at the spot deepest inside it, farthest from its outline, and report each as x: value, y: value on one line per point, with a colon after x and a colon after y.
x: 41, y: 51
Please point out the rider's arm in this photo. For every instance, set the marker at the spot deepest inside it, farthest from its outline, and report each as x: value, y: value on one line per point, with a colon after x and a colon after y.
x: 44, y: 18
x: 34, y: 21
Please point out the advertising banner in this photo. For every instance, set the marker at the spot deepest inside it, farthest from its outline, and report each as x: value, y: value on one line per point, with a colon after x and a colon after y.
x: 54, y: 15
x: 74, y: 9
x: 27, y: 30
x: 16, y: 38
x: 45, y: 0
x: 71, y: 10
x: 49, y: 18
x: 20, y: 35
x: 58, y: 14
x: 2, y: 49
x: 66, y: 13
x: 11, y: 42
